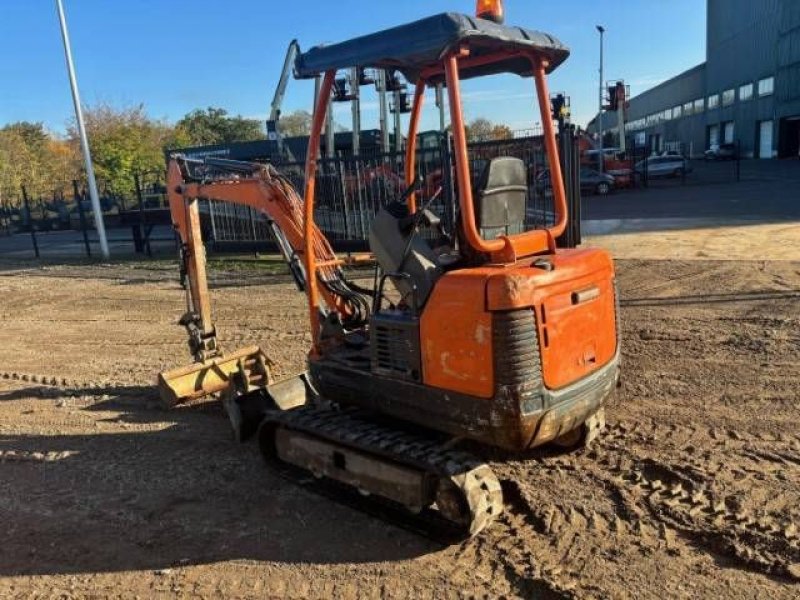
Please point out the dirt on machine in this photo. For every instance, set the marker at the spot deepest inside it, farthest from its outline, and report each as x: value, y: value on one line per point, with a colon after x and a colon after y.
x: 492, y: 336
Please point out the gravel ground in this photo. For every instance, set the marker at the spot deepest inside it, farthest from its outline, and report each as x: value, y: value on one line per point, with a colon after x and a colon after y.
x: 693, y: 490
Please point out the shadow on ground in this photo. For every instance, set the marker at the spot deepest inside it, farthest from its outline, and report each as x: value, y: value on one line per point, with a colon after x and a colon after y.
x: 120, y: 485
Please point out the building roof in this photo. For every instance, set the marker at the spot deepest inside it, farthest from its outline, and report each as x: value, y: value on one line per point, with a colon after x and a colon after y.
x: 412, y: 47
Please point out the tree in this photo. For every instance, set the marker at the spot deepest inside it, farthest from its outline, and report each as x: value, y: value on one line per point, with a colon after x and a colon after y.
x: 296, y: 124
x: 123, y: 143
x: 31, y: 156
x: 214, y: 126
x: 501, y: 132
x: 479, y: 129
x: 14, y: 155
x: 482, y: 130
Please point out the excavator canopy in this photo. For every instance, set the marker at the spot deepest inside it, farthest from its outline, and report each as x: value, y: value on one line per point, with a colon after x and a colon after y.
x: 413, y: 47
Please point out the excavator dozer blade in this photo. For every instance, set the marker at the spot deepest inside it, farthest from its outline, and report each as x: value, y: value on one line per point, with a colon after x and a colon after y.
x: 204, y: 378
x: 247, y: 410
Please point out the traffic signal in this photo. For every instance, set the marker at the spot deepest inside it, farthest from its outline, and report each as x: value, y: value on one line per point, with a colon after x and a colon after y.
x: 612, y: 98
x: 559, y: 107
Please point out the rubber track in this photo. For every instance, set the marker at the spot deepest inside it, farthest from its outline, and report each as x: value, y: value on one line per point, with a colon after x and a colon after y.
x: 351, y: 428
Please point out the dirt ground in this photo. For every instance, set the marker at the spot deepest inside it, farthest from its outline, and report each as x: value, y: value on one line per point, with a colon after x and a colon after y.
x: 693, y: 490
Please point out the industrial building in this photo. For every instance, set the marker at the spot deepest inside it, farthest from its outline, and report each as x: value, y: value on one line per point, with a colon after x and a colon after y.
x: 746, y: 92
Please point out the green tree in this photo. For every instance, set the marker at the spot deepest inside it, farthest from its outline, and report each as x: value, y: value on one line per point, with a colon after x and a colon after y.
x: 214, y: 126
x: 31, y: 156
x: 296, y: 124
x: 123, y: 143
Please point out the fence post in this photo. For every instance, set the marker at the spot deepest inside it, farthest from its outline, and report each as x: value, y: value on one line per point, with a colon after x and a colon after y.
x: 684, y: 162
x: 213, y: 216
x: 82, y: 217
x: 144, y: 239
x: 738, y: 166
x: 447, y: 179
x: 30, y: 221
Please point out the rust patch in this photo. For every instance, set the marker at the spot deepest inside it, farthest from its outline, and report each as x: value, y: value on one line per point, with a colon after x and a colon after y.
x: 518, y: 287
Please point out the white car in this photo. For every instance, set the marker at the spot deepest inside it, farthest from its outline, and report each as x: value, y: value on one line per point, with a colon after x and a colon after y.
x: 663, y: 166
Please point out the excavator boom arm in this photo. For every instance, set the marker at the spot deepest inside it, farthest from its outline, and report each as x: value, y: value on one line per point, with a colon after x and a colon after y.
x: 262, y: 188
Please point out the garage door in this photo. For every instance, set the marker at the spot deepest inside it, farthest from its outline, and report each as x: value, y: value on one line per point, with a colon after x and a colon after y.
x: 713, y: 135
x: 729, y: 132
x: 765, y: 139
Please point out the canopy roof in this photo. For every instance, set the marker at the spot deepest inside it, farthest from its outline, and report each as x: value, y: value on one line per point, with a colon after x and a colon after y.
x: 412, y: 47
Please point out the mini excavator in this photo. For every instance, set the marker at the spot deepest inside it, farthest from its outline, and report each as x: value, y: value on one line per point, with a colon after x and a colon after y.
x: 497, y: 337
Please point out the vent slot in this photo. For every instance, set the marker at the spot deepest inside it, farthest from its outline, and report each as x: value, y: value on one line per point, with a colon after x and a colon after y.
x: 395, y: 346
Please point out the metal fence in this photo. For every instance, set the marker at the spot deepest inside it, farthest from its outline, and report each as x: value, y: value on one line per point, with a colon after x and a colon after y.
x: 674, y: 166
x: 350, y: 190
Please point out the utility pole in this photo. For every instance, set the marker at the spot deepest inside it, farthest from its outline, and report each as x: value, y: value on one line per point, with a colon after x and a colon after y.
x: 440, y: 106
x: 87, y: 157
x: 356, y: 109
x: 384, y: 112
x: 330, y: 141
x: 601, y: 30
x: 398, y: 135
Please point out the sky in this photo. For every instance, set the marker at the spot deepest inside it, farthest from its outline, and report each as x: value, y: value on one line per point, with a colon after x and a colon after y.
x: 177, y: 55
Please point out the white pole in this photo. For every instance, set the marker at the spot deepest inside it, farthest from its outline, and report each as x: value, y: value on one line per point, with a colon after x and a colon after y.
x: 87, y: 157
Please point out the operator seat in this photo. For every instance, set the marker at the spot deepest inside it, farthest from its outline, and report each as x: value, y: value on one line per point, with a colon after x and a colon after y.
x: 403, y: 255
x: 501, y: 198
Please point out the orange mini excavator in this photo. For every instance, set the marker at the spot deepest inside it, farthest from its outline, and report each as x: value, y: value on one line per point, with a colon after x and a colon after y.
x: 499, y: 337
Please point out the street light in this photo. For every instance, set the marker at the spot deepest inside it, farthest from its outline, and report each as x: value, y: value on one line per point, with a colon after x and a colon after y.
x: 601, y: 30
x: 87, y: 156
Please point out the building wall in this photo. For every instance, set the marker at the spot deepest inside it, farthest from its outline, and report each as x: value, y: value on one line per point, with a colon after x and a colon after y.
x: 788, y: 59
x: 740, y: 41
x: 746, y: 41
x: 656, y: 108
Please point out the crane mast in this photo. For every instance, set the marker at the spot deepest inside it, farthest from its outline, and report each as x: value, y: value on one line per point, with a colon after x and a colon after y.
x: 273, y: 122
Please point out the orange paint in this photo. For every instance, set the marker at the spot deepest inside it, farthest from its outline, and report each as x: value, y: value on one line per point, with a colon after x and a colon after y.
x: 575, y: 338
x: 308, y: 224
x: 577, y: 329
x: 456, y: 335
x: 411, y: 142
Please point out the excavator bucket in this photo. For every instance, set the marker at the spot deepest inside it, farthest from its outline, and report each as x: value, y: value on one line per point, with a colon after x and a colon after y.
x: 212, y: 376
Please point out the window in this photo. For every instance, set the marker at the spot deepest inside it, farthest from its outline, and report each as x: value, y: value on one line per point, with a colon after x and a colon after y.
x: 667, y: 114
x: 698, y: 105
x: 713, y: 101
x: 728, y: 96
x: 745, y: 92
x: 676, y: 112
x: 688, y: 108
x: 766, y: 86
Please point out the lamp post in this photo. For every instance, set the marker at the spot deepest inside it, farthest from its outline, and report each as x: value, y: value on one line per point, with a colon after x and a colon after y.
x: 87, y: 157
x: 601, y: 30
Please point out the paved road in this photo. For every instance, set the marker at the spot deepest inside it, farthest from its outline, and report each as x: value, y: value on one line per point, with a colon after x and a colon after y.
x: 768, y: 191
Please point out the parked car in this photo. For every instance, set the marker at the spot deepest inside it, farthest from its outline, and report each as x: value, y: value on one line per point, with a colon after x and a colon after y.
x: 592, y: 182
x: 663, y: 166
x: 721, y: 152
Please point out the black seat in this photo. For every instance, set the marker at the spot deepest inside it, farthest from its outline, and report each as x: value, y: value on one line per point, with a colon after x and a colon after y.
x: 501, y: 198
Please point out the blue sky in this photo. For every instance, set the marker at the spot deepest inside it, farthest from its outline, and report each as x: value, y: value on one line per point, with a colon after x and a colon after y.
x: 177, y: 55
